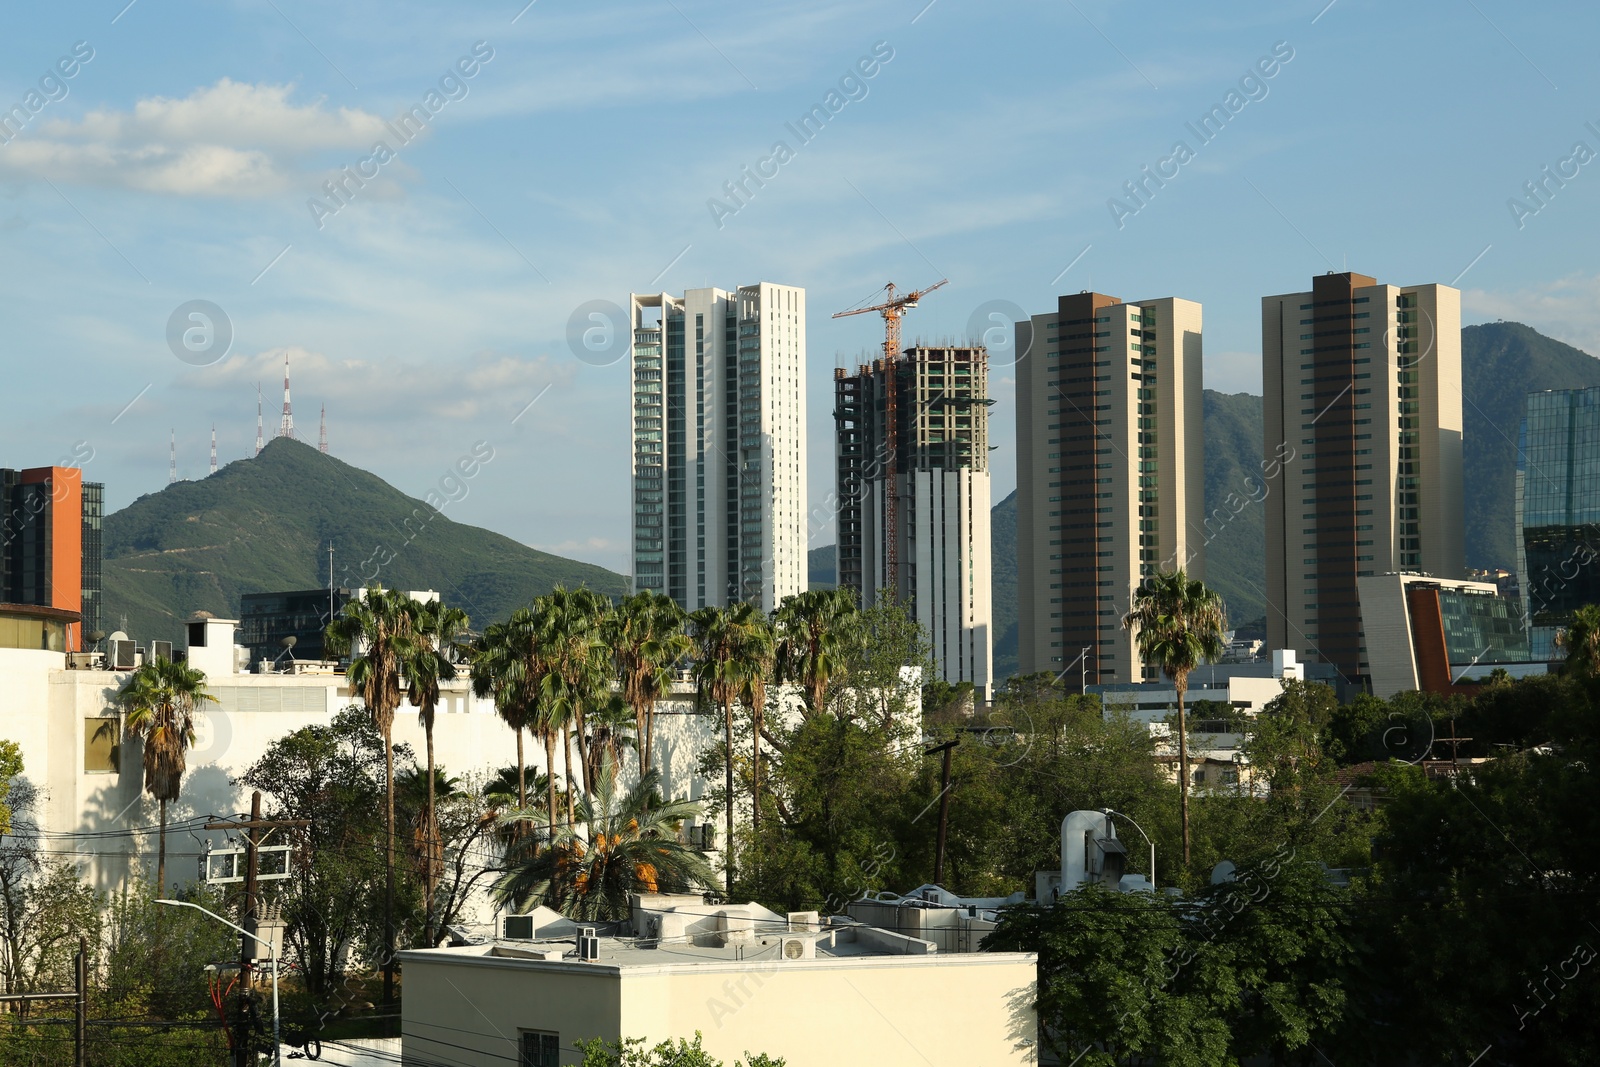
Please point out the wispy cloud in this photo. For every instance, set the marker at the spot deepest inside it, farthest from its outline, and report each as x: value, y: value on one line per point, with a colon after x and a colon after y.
x: 1567, y: 309
x: 231, y: 139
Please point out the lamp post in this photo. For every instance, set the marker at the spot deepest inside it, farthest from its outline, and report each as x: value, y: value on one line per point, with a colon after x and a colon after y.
x: 1152, y: 844
x: 277, y: 1047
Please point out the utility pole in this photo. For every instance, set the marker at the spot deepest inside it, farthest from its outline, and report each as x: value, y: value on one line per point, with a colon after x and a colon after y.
x: 81, y: 1015
x: 248, y: 918
x: 944, y: 808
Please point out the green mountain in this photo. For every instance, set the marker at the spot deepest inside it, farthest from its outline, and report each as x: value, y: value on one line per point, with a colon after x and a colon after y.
x: 263, y: 525
x: 1502, y: 362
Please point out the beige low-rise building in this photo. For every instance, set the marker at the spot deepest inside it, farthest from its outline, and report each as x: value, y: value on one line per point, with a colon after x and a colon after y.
x: 817, y: 993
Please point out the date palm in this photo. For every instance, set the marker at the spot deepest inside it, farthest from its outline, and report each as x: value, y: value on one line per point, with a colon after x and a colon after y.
x: 1177, y: 623
x: 375, y: 631
x: 646, y: 636
x: 812, y: 629
x: 160, y: 700
x: 626, y: 846
x: 428, y: 659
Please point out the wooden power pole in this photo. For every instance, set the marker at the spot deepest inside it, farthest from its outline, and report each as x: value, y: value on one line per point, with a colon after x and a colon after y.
x: 247, y: 948
x: 944, y: 809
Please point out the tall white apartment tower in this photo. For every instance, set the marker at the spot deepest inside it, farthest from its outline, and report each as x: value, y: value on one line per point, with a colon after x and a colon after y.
x: 1110, y: 475
x: 942, y: 481
x: 1363, y: 409
x: 719, y: 444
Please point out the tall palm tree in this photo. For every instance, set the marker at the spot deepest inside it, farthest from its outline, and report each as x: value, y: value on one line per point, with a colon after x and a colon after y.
x: 428, y: 659
x: 646, y: 636
x: 579, y: 666
x: 757, y: 652
x: 160, y: 700
x: 609, y: 723
x: 626, y: 847
x: 375, y: 631
x: 1581, y: 640
x: 812, y: 629
x: 1178, y: 623
x: 728, y: 650
x: 505, y: 667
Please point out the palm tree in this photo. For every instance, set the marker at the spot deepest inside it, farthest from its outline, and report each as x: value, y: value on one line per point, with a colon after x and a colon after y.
x: 812, y: 628
x: 646, y: 636
x: 758, y: 649
x: 375, y: 630
x: 728, y: 648
x: 1177, y: 622
x: 1581, y: 640
x: 626, y: 847
x: 160, y: 700
x: 505, y: 668
x: 609, y: 722
x: 427, y: 659
x: 579, y: 667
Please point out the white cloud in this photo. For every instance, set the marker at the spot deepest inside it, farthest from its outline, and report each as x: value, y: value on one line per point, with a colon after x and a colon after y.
x: 1567, y: 309
x: 231, y: 139
x: 483, y: 387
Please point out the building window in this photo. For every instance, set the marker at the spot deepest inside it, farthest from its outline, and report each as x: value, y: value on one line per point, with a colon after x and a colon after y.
x: 540, y: 1049
x: 100, y: 749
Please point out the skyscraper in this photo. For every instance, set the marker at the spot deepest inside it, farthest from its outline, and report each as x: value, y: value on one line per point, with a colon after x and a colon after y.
x: 1558, y: 511
x: 50, y: 551
x: 1110, y: 474
x: 1363, y: 406
x: 719, y: 478
x: 942, y: 481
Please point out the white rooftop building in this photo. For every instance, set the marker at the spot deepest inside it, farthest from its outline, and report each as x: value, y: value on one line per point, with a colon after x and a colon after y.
x: 817, y: 993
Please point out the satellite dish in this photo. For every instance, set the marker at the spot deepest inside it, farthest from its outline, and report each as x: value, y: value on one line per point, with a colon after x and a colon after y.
x: 96, y: 636
x: 118, y: 635
x: 290, y: 641
x: 1223, y: 872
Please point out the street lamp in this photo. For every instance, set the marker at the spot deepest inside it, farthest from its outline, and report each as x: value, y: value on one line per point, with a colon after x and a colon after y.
x: 1152, y: 844
x: 277, y: 1048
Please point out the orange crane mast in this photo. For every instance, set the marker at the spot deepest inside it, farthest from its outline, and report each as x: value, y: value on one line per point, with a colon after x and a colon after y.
x: 892, y: 309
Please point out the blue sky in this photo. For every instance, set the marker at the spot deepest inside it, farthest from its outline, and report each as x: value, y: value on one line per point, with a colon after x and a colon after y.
x: 577, y: 160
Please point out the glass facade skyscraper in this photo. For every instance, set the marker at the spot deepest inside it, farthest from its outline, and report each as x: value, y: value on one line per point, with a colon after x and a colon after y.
x: 1558, y: 510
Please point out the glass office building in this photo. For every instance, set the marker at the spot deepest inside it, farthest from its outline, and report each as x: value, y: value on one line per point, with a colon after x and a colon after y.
x: 1558, y: 511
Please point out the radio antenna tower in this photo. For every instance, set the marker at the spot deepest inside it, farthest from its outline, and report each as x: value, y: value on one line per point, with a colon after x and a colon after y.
x: 258, y: 418
x: 286, y: 427
x: 213, y: 448
x: 172, y: 464
x: 322, y: 435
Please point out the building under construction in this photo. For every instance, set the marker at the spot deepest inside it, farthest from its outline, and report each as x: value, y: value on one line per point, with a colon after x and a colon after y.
x: 937, y: 460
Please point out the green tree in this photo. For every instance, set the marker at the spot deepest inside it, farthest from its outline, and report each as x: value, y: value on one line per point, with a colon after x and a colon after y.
x: 577, y: 660
x: 332, y: 776
x: 1580, y: 639
x: 159, y: 702
x: 730, y: 646
x: 626, y: 846
x: 646, y: 634
x: 812, y: 631
x: 632, y: 1052
x: 507, y: 665
x: 375, y: 630
x: 1178, y: 623
x: 428, y: 658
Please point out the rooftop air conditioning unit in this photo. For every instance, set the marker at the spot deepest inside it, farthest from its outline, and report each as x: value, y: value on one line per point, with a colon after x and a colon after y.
x: 799, y: 948
x: 519, y: 927
x: 588, y: 945
x: 123, y: 656
x: 161, y: 650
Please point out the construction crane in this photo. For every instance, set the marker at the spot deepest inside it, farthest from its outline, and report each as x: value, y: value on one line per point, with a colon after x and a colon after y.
x: 892, y: 310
